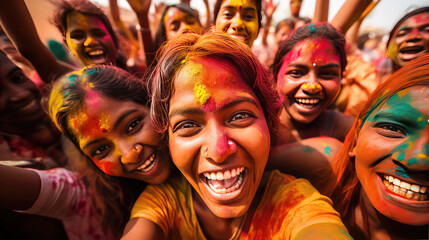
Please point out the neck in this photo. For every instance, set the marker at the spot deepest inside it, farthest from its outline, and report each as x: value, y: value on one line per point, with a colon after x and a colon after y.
x: 293, y: 131
x: 215, y: 227
x: 382, y: 227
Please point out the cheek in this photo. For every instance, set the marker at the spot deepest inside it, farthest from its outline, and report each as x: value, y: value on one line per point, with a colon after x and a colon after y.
x: 109, y: 168
x: 332, y: 88
x: 287, y: 87
x: 71, y: 44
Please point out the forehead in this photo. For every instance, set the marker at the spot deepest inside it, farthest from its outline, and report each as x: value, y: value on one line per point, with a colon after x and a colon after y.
x: 79, y: 20
x: 409, y: 101
x: 173, y: 13
x: 421, y: 18
x: 239, y: 4
x: 317, y: 49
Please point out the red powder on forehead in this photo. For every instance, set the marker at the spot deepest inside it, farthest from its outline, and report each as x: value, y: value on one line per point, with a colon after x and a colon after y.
x: 92, y: 99
x: 210, y: 105
x: 320, y: 53
x: 90, y: 126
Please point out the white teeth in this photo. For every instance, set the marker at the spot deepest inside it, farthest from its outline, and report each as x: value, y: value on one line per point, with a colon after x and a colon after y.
x: 95, y: 52
x: 405, y: 189
x: 148, y: 164
x: 405, y: 185
x: 227, y: 190
x: 415, y: 188
x: 308, y: 101
x: 224, y: 175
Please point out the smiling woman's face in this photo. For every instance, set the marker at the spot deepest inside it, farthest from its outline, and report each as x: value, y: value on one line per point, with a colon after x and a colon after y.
x: 119, y: 138
x: 218, y: 135
x: 392, y: 161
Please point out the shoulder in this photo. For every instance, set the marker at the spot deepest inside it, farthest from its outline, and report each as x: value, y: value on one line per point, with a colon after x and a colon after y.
x: 342, y: 124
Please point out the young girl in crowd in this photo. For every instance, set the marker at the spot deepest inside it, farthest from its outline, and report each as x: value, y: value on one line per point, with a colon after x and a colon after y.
x: 383, y: 167
x: 84, y: 27
x: 308, y: 68
x: 174, y: 20
x: 239, y: 19
x: 219, y: 120
x: 409, y: 38
x: 102, y: 110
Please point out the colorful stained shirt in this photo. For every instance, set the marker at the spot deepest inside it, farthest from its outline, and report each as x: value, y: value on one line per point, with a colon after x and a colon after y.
x: 288, y: 206
x: 64, y: 196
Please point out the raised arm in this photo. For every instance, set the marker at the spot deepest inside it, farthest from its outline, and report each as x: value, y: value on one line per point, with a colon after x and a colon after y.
x: 270, y: 8
x: 349, y: 13
x: 19, y: 189
x: 208, y: 14
x: 141, y: 8
x: 114, y: 12
x: 321, y: 11
x: 19, y: 26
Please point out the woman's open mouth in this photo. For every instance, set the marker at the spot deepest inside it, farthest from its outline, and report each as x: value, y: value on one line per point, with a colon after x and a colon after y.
x: 149, y: 164
x: 307, y: 103
x: 405, y: 189
x: 97, y: 56
x: 225, y: 182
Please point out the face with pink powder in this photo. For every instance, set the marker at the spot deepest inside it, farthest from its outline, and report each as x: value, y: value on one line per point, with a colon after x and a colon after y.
x: 119, y: 138
x: 309, y: 79
x: 218, y: 135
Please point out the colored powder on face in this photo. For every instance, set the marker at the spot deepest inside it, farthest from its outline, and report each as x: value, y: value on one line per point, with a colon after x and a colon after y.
x: 201, y: 93
x: 399, y: 171
x: 320, y: 53
x: 107, y: 167
x: 104, y: 122
x: 402, y: 27
x: 222, y: 145
x: 424, y: 159
x: 92, y: 99
x: 210, y: 105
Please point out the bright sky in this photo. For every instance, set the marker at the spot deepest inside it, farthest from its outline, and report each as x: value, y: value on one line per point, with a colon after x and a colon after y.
x: 383, y: 17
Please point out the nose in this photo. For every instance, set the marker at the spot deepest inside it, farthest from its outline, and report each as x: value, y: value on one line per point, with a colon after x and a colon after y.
x: 89, y: 41
x: 130, y: 153
x: 414, y: 35
x: 413, y: 154
x: 237, y: 23
x: 217, y: 146
x: 311, y: 86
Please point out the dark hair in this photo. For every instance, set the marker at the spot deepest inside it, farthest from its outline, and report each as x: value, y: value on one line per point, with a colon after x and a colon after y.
x: 319, y: 30
x: 85, y: 7
x: 290, y: 22
x: 398, y: 24
x: 161, y: 35
x: 218, y: 3
x: 113, y: 196
x: 212, y: 45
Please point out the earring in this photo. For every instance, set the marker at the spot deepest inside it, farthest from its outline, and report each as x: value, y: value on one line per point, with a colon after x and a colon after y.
x: 353, y: 152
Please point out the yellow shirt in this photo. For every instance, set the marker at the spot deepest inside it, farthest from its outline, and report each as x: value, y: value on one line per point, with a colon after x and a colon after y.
x: 287, y: 206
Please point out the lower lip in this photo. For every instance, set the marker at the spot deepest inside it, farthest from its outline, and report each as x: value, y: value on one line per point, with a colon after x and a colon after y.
x: 400, y: 201
x: 411, y: 56
x: 227, y: 197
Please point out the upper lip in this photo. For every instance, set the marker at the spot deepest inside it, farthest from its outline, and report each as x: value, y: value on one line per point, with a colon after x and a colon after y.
x: 142, y: 159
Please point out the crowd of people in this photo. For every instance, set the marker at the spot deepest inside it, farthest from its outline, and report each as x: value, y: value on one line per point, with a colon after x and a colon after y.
x: 189, y: 130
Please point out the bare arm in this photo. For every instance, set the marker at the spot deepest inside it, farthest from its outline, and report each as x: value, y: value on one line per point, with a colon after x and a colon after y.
x: 208, y: 14
x: 270, y: 8
x: 349, y: 13
x: 321, y: 11
x: 19, y: 189
x: 114, y: 12
x: 141, y: 228
x: 309, y: 158
x: 19, y: 26
x: 141, y: 8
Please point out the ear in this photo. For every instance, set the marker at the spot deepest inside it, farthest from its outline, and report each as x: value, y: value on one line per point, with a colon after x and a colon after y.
x: 353, y: 152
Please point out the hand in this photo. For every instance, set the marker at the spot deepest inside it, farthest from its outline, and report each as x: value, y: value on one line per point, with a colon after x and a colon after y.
x: 270, y: 8
x: 140, y: 6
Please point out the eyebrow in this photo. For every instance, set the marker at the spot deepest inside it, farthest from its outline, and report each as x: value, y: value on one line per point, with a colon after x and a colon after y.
x: 14, y: 71
x: 122, y: 117
x: 330, y: 65
x: 91, y: 142
x: 223, y: 107
x: 395, y: 117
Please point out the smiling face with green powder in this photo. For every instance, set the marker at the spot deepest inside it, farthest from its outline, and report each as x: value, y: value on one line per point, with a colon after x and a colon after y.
x: 392, y: 156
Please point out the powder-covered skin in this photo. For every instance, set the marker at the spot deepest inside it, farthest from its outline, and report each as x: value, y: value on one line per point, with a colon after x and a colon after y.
x: 393, y: 142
